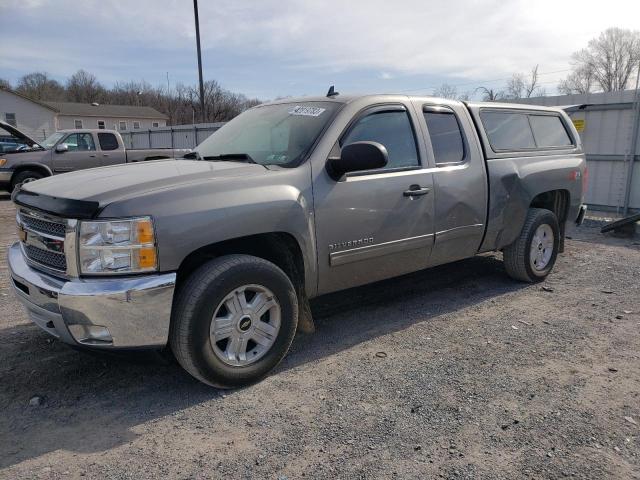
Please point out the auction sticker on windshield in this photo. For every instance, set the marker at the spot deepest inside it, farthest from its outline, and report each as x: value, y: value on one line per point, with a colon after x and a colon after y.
x: 307, y: 111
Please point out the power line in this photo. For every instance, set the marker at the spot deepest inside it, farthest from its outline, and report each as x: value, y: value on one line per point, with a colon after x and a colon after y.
x: 480, y: 82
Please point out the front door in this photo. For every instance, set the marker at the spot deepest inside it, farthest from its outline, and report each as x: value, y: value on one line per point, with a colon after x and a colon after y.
x: 81, y: 153
x: 375, y: 224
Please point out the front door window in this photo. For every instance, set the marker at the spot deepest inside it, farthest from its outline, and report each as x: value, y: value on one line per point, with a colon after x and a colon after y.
x: 80, y: 142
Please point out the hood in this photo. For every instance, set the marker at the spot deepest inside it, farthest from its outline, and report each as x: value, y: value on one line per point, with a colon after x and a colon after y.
x: 84, y: 193
x: 17, y: 133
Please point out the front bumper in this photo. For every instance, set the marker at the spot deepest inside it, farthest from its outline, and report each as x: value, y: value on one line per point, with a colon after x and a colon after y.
x: 5, y: 178
x: 110, y: 313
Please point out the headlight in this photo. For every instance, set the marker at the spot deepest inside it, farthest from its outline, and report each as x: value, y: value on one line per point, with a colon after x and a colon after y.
x: 117, y: 246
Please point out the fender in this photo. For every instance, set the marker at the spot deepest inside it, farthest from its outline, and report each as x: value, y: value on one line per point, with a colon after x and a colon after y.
x: 515, y: 182
x: 32, y: 166
x: 194, y: 216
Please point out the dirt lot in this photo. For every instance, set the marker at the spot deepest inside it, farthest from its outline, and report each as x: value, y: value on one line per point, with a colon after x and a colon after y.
x: 457, y: 372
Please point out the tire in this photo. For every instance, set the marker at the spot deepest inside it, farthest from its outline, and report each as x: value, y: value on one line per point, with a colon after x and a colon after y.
x: 527, y: 265
x: 24, y: 177
x: 210, y: 291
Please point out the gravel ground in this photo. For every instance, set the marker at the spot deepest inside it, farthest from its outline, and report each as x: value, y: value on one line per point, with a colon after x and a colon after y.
x: 456, y: 372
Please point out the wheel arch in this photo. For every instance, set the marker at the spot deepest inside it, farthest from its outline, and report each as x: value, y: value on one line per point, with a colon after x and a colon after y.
x: 37, y: 167
x: 558, y: 201
x: 280, y: 248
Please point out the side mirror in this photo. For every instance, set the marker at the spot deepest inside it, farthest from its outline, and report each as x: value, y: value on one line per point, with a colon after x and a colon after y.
x: 62, y: 147
x: 356, y: 157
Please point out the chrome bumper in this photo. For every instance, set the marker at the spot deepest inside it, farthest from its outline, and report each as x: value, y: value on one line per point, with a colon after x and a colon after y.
x: 5, y: 178
x: 109, y: 313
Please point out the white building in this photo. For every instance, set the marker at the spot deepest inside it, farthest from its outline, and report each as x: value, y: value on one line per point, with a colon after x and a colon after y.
x: 115, y: 117
x: 40, y: 119
x: 36, y: 119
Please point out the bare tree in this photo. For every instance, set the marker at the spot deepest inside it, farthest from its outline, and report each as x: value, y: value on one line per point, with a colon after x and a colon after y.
x: 490, y: 94
x: 84, y: 87
x: 446, y: 91
x: 4, y: 84
x: 520, y: 86
x: 39, y: 86
x: 579, y: 81
x: 608, y: 62
x: 450, y: 91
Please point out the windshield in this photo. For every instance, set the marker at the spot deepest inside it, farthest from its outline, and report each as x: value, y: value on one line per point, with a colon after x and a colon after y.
x: 270, y: 135
x: 52, y: 140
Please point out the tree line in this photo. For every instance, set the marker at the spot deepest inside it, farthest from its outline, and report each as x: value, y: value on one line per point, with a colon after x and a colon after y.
x: 180, y: 103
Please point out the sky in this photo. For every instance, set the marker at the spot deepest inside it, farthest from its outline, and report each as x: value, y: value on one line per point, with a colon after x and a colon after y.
x: 268, y: 49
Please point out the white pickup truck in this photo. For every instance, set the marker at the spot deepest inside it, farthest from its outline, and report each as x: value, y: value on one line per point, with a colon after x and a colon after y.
x: 23, y: 160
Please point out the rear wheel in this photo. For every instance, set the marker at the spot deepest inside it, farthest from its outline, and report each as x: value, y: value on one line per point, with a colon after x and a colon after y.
x: 233, y: 320
x: 25, y: 176
x: 532, y: 256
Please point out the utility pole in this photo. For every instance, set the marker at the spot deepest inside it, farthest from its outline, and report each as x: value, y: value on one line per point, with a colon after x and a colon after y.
x: 195, y: 10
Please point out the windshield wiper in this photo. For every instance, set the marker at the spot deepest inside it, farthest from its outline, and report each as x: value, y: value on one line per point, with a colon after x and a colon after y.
x: 240, y: 157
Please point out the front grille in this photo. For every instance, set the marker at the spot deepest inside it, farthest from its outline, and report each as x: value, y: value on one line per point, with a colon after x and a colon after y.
x: 42, y: 226
x: 47, y: 258
x: 43, y: 242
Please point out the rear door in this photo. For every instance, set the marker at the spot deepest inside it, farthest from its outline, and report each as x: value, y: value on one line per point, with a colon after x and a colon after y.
x: 460, y: 185
x: 112, y: 150
x: 82, y: 153
x: 378, y: 223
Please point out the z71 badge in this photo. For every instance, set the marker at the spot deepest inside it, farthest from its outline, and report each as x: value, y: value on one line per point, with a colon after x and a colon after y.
x: 360, y: 242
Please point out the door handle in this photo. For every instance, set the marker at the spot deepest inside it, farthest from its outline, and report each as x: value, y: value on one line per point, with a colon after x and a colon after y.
x: 416, y: 190
x: 92, y: 156
x: 105, y: 154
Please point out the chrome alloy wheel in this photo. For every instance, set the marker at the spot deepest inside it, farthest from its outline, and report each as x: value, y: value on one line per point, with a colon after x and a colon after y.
x: 541, y: 247
x: 245, y: 325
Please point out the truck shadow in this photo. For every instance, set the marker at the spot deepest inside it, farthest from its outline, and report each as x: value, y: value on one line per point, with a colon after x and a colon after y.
x: 96, y: 402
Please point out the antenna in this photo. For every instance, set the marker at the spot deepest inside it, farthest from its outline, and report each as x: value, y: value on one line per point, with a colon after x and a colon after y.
x: 332, y: 92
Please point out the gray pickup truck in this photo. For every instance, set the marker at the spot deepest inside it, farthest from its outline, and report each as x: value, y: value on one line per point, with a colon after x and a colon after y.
x: 23, y: 160
x: 218, y: 257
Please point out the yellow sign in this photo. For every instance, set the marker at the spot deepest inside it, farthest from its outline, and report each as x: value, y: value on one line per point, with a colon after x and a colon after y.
x: 579, y: 124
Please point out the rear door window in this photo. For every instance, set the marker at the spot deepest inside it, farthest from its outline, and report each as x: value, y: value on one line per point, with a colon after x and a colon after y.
x: 549, y: 131
x: 508, y: 130
x: 108, y: 141
x: 446, y: 137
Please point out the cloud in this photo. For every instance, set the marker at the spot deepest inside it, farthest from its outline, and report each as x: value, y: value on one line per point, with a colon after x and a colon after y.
x: 458, y: 40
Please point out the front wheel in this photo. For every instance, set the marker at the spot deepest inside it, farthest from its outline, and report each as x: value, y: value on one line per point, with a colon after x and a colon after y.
x: 25, y: 176
x: 233, y: 320
x: 532, y: 256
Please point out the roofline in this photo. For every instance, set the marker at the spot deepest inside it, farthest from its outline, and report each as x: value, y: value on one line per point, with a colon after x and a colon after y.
x: 164, y: 117
x: 37, y: 102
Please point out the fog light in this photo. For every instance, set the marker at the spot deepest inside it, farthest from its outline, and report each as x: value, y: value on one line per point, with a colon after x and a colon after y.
x: 90, y: 334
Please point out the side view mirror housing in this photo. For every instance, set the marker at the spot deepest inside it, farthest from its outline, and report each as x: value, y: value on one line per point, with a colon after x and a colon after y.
x: 358, y: 156
x: 62, y: 147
